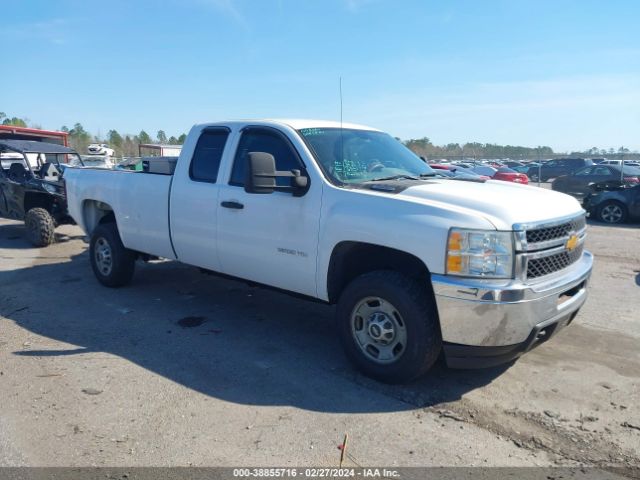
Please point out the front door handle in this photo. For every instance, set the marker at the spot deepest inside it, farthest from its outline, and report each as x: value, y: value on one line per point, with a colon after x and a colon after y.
x: 232, y: 204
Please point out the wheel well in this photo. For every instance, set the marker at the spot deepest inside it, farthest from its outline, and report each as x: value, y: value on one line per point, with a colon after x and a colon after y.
x: 352, y: 259
x: 611, y: 200
x: 37, y: 200
x: 95, y: 213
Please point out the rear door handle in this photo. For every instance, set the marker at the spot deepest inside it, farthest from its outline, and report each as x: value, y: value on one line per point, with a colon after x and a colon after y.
x: 232, y: 204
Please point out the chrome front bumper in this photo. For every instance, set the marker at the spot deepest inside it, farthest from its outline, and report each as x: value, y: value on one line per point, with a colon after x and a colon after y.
x: 506, y: 313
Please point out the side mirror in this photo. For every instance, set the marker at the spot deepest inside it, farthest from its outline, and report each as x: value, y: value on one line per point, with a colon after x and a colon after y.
x: 261, y: 173
x: 261, y: 176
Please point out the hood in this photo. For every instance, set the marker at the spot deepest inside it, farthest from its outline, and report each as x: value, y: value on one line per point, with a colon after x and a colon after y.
x: 501, y: 203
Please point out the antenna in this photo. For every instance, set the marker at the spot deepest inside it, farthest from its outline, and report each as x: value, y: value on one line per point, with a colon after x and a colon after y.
x: 341, y: 136
x: 340, y: 103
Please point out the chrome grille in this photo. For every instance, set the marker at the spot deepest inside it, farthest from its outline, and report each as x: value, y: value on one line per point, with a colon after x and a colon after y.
x: 540, y: 235
x: 539, y: 267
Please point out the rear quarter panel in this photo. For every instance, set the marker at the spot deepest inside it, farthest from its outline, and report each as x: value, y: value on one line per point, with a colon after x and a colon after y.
x: 140, y: 203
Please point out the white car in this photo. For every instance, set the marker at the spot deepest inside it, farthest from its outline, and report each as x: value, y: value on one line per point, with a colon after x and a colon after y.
x: 100, y: 149
x: 345, y: 214
x: 98, y: 161
x: 628, y: 163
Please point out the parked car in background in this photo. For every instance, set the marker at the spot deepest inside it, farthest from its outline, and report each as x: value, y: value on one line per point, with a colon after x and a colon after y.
x: 502, y: 173
x: 484, y: 170
x: 457, y: 171
x: 556, y: 168
x: 100, y: 149
x: 98, y: 161
x: 470, y: 172
x: 612, y: 202
x: 524, y: 168
x: 513, y: 164
x: 464, y: 164
x: 630, y: 163
x: 578, y: 183
x: 509, y: 175
x: 32, y: 186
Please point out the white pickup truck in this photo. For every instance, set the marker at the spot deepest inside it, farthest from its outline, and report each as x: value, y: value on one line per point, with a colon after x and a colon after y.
x: 417, y: 264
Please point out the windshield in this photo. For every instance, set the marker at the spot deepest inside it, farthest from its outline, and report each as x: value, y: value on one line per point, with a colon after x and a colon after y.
x: 357, y: 156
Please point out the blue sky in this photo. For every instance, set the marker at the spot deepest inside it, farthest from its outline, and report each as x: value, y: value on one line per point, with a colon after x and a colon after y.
x: 564, y: 73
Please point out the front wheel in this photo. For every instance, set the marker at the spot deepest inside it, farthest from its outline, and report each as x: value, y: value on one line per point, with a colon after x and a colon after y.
x: 40, y: 227
x: 113, y: 264
x: 612, y: 212
x: 388, y: 326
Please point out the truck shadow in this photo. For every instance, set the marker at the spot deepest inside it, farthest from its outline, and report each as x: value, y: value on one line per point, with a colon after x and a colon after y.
x: 220, y: 337
x: 13, y: 237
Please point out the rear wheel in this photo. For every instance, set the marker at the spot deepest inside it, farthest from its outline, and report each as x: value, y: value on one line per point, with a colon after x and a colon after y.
x: 612, y: 212
x: 40, y: 227
x: 113, y: 264
x: 388, y: 326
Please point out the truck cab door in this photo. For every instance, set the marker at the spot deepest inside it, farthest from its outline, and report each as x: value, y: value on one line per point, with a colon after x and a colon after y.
x: 194, y: 201
x: 269, y: 238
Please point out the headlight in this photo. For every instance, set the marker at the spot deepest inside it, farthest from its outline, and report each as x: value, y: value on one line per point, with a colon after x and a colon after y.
x: 480, y: 253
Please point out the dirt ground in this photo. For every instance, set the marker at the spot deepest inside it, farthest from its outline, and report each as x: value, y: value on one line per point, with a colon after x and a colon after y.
x: 185, y: 369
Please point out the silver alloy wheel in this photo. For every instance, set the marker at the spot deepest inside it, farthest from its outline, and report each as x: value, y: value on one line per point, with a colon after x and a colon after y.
x: 102, y: 256
x: 379, y: 330
x: 611, y: 213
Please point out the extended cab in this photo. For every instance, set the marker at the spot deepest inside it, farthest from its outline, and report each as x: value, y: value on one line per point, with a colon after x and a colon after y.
x: 417, y: 264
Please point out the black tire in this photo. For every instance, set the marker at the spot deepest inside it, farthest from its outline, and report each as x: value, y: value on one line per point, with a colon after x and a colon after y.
x: 533, y: 177
x: 105, y: 242
x: 416, y: 308
x: 612, y: 212
x: 40, y: 227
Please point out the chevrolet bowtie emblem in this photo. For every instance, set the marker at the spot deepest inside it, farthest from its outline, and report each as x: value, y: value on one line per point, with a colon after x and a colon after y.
x: 572, y: 242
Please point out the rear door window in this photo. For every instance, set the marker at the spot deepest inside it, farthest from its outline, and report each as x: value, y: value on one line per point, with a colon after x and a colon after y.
x: 207, y: 155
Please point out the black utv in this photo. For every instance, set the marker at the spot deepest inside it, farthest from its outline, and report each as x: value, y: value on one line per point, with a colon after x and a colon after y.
x: 32, y: 186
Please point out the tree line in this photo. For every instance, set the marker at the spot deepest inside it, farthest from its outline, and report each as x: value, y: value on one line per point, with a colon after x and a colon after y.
x: 127, y: 144
x: 124, y: 144
x: 424, y: 148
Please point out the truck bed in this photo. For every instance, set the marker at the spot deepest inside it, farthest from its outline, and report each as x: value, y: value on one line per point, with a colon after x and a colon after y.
x: 140, y: 202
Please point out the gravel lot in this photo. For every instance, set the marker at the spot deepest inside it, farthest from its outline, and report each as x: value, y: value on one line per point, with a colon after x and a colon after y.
x: 184, y: 369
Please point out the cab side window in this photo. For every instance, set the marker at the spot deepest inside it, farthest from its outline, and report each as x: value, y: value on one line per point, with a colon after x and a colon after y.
x: 268, y: 141
x: 601, y: 171
x: 208, y: 154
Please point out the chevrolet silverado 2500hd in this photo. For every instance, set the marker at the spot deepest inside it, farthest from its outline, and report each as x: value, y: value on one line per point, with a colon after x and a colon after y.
x: 482, y: 270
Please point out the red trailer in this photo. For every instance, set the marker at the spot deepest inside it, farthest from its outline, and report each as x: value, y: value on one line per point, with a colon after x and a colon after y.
x: 36, y: 134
